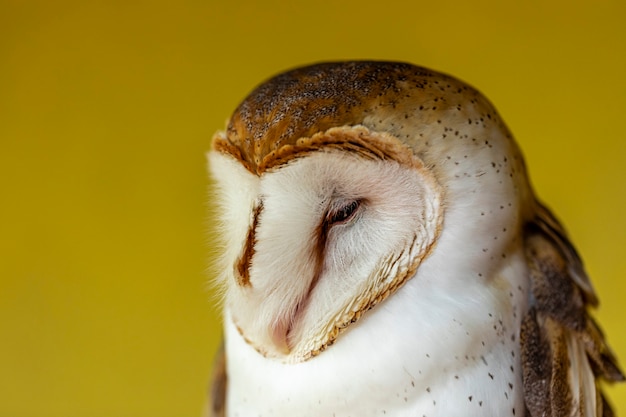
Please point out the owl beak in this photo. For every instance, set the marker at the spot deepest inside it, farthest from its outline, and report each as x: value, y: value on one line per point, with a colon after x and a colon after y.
x: 281, y: 331
x: 278, y: 334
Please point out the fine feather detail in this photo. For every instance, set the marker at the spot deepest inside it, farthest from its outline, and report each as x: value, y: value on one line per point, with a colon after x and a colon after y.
x: 563, y: 351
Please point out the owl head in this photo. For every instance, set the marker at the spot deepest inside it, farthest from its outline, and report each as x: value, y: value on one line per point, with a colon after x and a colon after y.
x: 340, y: 182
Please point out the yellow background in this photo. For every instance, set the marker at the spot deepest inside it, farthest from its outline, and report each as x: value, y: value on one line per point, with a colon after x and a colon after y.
x: 107, y: 108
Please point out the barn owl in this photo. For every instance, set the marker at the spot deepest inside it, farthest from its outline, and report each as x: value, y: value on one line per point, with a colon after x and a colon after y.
x: 384, y: 255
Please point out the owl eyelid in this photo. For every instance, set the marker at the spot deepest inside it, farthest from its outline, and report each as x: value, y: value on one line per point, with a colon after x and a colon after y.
x: 344, y: 213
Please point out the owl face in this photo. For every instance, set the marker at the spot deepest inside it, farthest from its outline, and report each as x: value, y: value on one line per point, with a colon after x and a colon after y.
x: 322, y: 237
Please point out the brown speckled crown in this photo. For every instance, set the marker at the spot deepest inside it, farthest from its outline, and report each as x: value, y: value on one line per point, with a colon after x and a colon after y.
x: 304, y: 101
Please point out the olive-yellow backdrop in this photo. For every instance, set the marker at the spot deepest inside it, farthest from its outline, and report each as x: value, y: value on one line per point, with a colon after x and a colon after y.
x: 107, y: 109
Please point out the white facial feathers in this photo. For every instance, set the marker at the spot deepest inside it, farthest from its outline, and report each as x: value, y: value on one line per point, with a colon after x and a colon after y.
x: 336, y: 232
x: 235, y: 193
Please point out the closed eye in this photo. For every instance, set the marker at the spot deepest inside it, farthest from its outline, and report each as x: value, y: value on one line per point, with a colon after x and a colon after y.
x: 344, y: 212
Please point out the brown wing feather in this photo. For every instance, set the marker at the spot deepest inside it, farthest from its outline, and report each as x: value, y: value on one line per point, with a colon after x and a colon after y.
x: 219, y: 385
x: 563, y: 350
